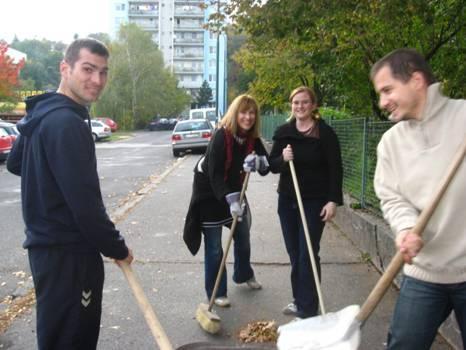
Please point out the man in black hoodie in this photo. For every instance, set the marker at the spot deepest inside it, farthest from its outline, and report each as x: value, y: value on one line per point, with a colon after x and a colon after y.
x: 67, y: 227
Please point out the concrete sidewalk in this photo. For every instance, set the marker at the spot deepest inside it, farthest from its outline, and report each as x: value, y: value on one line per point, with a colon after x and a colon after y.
x: 173, y: 279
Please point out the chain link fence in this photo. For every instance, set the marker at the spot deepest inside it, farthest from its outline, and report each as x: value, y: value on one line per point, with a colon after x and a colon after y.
x: 358, y: 141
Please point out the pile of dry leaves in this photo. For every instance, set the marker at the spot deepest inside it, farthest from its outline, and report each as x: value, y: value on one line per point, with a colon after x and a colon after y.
x: 259, y: 332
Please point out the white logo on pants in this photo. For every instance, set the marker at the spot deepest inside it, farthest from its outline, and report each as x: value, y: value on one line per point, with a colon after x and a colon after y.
x: 86, y: 297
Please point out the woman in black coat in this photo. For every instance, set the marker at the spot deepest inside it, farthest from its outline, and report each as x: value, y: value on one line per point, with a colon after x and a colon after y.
x: 218, y: 179
x: 314, y: 148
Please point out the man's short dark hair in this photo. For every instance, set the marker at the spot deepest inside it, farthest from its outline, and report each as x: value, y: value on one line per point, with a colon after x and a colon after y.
x: 403, y: 63
x: 94, y: 46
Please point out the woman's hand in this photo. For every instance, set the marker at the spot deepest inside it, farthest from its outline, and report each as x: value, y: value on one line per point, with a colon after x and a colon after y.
x: 328, y: 211
x: 287, y: 153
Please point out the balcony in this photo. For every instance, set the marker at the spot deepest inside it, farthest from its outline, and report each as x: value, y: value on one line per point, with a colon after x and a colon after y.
x: 190, y: 84
x: 148, y: 26
x: 188, y: 57
x: 189, y: 2
x: 188, y: 27
x: 187, y: 70
x: 189, y: 12
x: 188, y: 42
x: 143, y: 13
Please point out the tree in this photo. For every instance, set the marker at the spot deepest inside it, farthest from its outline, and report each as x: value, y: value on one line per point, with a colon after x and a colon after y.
x: 9, y: 72
x: 43, y: 62
x: 139, y: 85
x: 238, y: 78
x: 331, y: 45
x: 204, y: 95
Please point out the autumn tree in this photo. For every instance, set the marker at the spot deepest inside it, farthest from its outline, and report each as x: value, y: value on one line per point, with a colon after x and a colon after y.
x: 331, y: 45
x: 9, y: 72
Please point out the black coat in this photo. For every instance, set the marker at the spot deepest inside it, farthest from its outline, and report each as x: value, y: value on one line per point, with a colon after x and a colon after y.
x: 208, y: 202
x: 317, y: 162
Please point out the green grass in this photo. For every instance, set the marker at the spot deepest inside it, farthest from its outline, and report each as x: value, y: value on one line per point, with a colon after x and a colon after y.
x: 119, y: 135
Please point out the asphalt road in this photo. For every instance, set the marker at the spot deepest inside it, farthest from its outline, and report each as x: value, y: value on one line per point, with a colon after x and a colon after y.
x: 124, y: 167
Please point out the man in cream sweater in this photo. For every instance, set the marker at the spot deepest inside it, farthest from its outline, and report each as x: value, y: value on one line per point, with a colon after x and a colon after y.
x: 412, y: 159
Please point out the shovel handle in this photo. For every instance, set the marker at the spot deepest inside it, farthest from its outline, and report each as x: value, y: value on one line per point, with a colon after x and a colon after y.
x: 397, y: 262
x: 149, y: 314
x: 227, y: 248
x: 307, y: 236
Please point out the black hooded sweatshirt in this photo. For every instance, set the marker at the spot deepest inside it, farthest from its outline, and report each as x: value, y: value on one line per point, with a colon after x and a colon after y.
x: 61, y: 198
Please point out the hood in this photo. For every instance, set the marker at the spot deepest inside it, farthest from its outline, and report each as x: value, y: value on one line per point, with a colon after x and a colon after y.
x: 38, y: 107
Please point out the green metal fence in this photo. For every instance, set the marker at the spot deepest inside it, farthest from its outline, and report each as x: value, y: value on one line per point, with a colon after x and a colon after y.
x: 358, y: 140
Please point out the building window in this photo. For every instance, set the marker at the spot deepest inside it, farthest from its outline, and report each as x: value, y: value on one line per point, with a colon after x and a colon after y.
x: 212, y: 49
x: 212, y: 63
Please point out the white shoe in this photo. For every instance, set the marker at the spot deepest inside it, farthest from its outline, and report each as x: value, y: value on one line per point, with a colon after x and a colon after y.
x: 253, y: 284
x: 222, y: 302
x: 290, y: 309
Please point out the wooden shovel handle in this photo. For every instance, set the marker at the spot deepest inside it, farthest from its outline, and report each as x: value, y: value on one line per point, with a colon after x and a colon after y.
x: 307, y: 235
x: 146, y: 308
x: 397, y: 262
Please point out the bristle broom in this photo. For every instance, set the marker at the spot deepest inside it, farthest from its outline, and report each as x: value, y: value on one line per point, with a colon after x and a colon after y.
x: 208, y: 320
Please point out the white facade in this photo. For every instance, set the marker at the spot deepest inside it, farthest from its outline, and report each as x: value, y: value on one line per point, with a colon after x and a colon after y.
x: 177, y: 27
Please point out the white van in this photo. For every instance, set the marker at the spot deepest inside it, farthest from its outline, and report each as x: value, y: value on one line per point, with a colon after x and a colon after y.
x: 204, y: 113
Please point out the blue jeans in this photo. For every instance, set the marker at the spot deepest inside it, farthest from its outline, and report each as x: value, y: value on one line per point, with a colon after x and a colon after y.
x: 420, y: 310
x: 302, y: 279
x: 214, y: 253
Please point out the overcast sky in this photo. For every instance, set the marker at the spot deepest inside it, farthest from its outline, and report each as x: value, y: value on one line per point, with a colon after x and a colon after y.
x: 56, y: 20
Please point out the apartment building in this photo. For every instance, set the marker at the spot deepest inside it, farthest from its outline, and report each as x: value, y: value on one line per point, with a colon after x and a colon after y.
x: 177, y: 27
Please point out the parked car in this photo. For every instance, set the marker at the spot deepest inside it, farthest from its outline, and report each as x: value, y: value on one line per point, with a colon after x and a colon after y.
x: 159, y: 124
x: 6, y: 143
x: 110, y: 122
x: 99, y: 130
x: 191, y: 135
x: 162, y: 124
x: 10, y: 128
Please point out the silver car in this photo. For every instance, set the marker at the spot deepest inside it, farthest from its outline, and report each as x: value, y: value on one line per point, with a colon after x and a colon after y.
x: 191, y: 135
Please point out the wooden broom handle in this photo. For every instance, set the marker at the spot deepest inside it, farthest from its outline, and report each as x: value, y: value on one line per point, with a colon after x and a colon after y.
x: 155, y: 327
x: 397, y: 262
x: 227, y: 247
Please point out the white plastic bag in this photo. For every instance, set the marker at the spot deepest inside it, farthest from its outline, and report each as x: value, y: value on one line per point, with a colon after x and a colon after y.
x: 332, y: 331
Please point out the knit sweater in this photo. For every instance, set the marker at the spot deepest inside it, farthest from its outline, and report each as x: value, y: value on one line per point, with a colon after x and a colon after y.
x: 412, y: 159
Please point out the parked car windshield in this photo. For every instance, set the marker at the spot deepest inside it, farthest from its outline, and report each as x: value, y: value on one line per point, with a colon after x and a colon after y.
x: 192, y: 126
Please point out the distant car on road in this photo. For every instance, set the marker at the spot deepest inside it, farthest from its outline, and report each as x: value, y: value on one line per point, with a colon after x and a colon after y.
x: 191, y: 135
x: 158, y: 124
x: 99, y: 130
x: 162, y: 124
x: 6, y: 142
x: 110, y: 122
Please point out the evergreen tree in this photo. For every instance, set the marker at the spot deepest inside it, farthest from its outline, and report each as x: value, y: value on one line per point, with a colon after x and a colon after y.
x: 205, y: 95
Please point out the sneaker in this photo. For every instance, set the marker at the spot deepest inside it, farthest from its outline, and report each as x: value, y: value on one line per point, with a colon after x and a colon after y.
x: 253, y: 284
x: 222, y: 301
x: 290, y: 309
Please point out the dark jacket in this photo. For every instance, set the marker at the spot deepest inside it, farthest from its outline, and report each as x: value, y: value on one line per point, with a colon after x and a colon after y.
x: 208, y: 202
x: 317, y: 162
x: 61, y: 198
